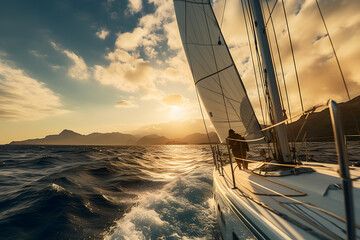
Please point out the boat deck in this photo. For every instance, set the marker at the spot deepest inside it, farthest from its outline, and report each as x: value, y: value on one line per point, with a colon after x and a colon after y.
x: 280, y: 206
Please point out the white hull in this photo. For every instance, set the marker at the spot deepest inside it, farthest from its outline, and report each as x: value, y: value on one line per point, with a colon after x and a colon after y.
x: 289, y: 207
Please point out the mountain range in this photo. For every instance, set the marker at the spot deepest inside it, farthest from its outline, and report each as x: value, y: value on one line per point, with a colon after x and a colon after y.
x: 317, y: 127
x: 68, y: 137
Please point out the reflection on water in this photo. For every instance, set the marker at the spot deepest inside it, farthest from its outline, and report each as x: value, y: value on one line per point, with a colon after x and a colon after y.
x: 115, y: 192
x: 123, y: 192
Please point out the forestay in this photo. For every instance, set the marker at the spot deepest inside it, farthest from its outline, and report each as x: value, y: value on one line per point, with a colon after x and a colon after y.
x: 215, y: 75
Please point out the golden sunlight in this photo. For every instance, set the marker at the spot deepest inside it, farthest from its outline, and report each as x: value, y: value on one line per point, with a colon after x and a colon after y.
x: 176, y: 112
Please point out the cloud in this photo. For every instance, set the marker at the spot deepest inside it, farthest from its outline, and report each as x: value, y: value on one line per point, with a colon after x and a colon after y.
x: 24, y: 98
x: 55, y: 67
x: 114, y: 15
x: 148, y: 55
x: 78, y: 70
x: 319, y: 76
x: 126, y: 72
x: 151, y: 54
x: 131, y: 40
x: 126, y: 104
x: 173, y: 100
x: 172, y: 35
x: 102, y: 33
x: 135, y: 6
x: 37, y: 54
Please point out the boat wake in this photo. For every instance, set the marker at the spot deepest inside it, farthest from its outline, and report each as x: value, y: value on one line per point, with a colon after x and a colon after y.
x: 182, y: 209
x: 122, y: 192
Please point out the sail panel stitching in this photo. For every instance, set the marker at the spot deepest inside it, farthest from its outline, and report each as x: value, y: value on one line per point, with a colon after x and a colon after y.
x: 212, y: 74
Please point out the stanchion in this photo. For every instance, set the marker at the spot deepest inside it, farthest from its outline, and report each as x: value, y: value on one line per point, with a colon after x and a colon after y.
x: 344, y: 169
x: 231, y: 165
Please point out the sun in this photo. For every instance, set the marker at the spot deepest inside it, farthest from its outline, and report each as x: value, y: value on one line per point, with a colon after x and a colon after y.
x: 176, y: 112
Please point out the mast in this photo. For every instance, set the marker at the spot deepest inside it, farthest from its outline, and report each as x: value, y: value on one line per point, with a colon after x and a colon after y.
x: 278, y: 116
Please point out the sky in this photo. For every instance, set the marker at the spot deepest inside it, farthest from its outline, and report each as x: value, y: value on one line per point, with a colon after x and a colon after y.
x: 119, y: 66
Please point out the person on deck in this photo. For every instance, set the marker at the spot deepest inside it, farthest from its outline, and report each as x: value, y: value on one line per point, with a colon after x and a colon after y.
x: 238, y: 148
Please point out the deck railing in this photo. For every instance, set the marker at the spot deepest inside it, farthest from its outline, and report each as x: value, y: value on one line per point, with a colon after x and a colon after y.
x: 344, y: 169
x: 220, y: 159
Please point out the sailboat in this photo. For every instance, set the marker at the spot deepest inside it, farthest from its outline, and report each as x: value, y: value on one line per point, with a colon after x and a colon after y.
x: 279, y: 197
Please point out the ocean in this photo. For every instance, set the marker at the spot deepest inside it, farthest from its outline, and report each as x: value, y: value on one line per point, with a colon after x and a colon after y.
x: 114, y: 192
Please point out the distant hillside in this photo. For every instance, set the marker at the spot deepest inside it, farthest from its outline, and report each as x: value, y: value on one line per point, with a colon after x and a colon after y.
x: 195, y: 138
x: 68, y: 137
x: 199, y: 138
x: 153, y: 139
x: 318, y: 125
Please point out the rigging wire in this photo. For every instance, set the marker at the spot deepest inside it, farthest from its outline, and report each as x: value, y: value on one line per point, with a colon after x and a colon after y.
x: 262, y: 73
x: 270, y: 12
x: 274, y: 66
x: 202, y: 114
x: 263, y: 76
x: 293, y: 56
x: 252, y: 61
x: 217, y: 69
x: 221, y: 22
x: 280, y: 60
x: 253, y: 116
x: 338, y: 63
x: 281, y: 65
x: 260, y: 67
x: 226, y: 101
x: 223, y: 13
x: 199, y: 62
x: 333, y: 48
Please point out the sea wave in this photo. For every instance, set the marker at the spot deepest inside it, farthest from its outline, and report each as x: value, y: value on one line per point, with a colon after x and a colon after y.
x: 77, y: 192
x: 115, y: 192
x: 182, y: 209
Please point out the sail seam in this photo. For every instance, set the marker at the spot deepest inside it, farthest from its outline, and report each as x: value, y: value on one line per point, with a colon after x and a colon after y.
x: 216, y: 65
x: 201, y: 44
x: 219, y: 71
x: 228, y: 98
x: 192, y: 72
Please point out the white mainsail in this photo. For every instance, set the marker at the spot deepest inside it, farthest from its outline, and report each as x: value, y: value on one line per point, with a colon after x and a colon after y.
x: 215, y: 75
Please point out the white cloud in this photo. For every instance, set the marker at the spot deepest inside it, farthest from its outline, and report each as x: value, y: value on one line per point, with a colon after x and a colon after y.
x: 150, y: 31
x: 148, y: 55
x: 78, y: 70
x: 135, y: 6
x: 126, y: 104
x: 24, y: 98
x: 126, y: 72
x: 131, y: 40
x: 102, y: 33
x: 172, y: 35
